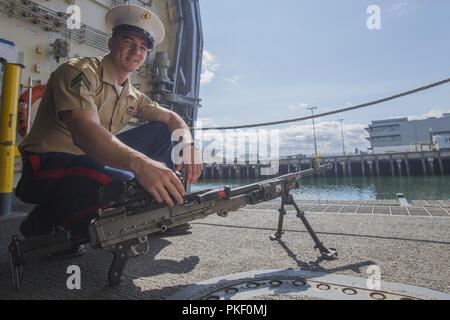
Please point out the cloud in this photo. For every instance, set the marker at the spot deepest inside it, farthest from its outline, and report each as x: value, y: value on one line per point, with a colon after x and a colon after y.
x: 209, y: 67
x: 233, y: 79
x: 206, y: 123
x: 300, y: 106
x: 300, y: 139
x: 293, y: 140
x: 436, y: 113
x: 206, y: 77
x: 400, y: 8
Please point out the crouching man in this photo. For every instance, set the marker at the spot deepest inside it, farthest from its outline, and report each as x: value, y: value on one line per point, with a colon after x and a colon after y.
x: 72, y: 149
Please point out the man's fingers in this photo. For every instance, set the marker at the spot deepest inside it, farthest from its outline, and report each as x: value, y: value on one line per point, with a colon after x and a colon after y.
x: 165, y: 195
x: 193, y: 172
x: 177, y: 183
x: 174, y: 191
x: 189, y: 173
x: 155, y: 194
x: 197, y: 165
x: 199, y: 170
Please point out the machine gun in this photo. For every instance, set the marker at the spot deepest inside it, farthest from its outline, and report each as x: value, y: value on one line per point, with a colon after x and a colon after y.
x: 129, y: 214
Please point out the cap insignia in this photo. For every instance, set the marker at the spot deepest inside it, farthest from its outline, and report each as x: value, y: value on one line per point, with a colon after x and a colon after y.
x: 146, y: 16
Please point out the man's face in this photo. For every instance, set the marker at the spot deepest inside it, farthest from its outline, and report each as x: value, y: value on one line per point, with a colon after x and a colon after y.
x: 128, y: 50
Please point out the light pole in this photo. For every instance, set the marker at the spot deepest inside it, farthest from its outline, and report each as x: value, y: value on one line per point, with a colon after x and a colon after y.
x: 342, y: 136
x: 314, y: 129
x: 431, y: 140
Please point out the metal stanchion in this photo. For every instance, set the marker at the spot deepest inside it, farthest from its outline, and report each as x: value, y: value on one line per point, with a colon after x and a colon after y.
x: 8, y: 127
x: 30, y: 102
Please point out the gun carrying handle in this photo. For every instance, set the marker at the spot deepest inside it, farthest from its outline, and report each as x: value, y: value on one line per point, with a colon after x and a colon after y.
x: 217, y: 194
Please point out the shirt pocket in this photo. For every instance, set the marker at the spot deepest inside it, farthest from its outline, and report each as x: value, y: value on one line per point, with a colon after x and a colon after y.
x: 127, y: 121
x: 126, y: 117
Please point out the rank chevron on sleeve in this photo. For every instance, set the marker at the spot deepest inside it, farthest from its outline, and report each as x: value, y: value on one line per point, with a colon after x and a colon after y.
x: 79, y: 80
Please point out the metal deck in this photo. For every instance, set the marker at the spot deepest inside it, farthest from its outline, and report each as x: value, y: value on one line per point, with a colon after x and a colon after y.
x: 411, y: 247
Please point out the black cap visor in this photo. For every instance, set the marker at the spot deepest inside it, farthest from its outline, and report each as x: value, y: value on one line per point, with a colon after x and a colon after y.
x: 129, y: 28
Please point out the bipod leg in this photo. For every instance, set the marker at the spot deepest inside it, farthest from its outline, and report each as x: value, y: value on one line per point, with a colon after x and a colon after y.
x: 122, y: 252
x: 327, y: 253
x: 282, y: 212
x: 25, y: 250
x: 16, y: 262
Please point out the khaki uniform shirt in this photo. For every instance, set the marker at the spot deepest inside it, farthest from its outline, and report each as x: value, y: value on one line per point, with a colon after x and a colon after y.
x: 82, y: 83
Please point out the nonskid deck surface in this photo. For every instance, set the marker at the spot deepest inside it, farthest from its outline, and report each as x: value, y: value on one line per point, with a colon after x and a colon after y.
x: 408, y: 249
x: 426, y: 208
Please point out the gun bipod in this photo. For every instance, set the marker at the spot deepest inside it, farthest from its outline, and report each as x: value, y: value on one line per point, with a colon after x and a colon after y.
x: 16, y: 262
x: 288, y: 199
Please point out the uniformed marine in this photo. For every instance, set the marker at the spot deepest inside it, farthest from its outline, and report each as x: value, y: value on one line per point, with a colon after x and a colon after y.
x: 72, y: 149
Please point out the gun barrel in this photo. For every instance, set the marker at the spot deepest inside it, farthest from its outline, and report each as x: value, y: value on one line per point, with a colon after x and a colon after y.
x: 307, y: 172
x: 226, y: 192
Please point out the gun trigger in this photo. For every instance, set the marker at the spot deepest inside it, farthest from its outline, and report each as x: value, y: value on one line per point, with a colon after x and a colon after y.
x: 135, y: 249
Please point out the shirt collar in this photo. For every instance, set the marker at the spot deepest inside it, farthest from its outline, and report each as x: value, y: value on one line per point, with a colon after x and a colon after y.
x: 108, y: 71
x: 128, y: 90
x: 109, y: 77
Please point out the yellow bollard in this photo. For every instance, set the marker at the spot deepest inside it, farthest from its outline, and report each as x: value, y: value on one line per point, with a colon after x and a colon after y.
x: 8, y: 124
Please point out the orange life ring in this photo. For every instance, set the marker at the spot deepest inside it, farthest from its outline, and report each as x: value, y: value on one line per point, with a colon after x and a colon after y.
x: 22, y: 114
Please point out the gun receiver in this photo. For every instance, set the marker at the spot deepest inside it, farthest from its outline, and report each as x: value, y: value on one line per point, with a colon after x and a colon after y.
x: 129, y: 214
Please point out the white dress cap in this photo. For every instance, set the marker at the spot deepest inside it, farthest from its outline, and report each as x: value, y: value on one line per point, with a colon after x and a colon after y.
x: 134, y: 15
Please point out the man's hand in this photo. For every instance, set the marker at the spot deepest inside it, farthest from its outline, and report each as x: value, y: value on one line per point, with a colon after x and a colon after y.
x: 178, y: 128
x: 191, y: 157
x: 160, y: 181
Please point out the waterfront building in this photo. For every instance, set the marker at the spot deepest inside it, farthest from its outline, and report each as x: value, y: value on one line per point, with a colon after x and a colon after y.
x: 403, y: 135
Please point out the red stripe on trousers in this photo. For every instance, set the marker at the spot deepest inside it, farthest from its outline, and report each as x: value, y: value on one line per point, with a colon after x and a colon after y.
x: 92, y: 174
x: 35, y: 163
x: 75, y: 171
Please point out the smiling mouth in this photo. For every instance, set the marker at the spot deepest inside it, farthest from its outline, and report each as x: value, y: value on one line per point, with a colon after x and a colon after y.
x: 132, y: 60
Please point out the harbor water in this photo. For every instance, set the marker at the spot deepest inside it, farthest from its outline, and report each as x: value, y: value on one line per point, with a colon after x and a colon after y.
x: 357, y: 188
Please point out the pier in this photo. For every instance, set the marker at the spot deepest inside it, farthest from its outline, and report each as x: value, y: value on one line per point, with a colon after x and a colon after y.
x: 393, y: 164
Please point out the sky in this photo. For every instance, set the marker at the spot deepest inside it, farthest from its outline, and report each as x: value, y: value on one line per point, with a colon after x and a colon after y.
x: 270, y: 60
